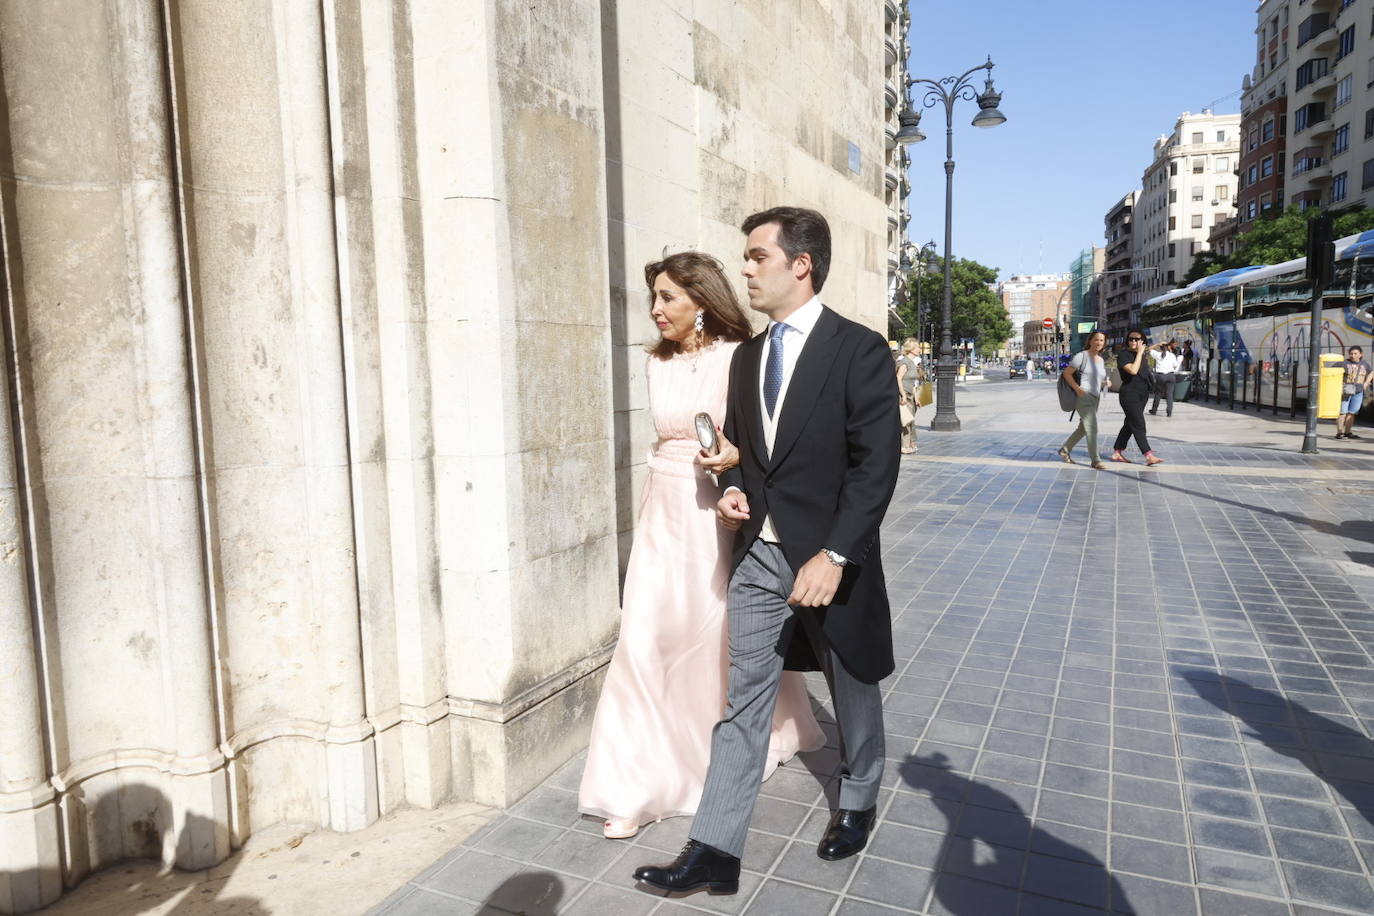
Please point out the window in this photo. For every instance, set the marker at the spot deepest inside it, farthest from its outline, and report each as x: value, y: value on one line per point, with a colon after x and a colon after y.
x: 1171, y: 249
x: 1197, y: 136
x: 1342, y: 92
x: 1221, y: 136
x: 1199, y: 164
x: 1252, y: 139
x: 1173, y: 223
x: 1338, y: 187
x: 1370, y: 81
x: 1252, y: 175
x: 1369, y: 124
x: 1173, y: 167
x: 1308, y: 159
x: 1197, y: 221
x: 1197, y: 192
x: 1223, y: 192
x: 1267, y: 131
x: 1265, y: 202
x: 1342, y: 141
x: 1309, y: 114
x: 1367, y: 178
x: 1222, y: 165
x: 1312, y: 26
x: 1250, y: 210
x: 1314, y: 69
x: 1266, y: 166
x: 1347, y: 43
x: 1218, y: 218
x: 1173, y: 195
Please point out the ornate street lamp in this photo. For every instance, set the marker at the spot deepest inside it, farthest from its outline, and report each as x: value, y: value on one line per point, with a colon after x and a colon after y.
x: 947, y: 91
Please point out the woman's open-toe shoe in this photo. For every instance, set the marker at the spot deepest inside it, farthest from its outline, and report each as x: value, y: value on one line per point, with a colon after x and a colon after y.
x: 620, y: 828
x: 1152, y: 459
x: 1065, y: 457
x: 1117, y: 456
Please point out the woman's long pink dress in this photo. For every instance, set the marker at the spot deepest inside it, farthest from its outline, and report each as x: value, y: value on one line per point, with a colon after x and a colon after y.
x: 665, y: 686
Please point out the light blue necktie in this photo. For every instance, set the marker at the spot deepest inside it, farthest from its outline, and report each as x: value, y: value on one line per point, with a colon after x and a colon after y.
x: 772, y: 375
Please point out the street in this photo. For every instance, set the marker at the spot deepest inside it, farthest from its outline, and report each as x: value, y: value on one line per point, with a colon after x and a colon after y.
x: 1143, y: 691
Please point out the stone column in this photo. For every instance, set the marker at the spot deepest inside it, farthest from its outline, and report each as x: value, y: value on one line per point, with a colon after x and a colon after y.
x: 30, y: 860
x: 100, y: 337
x: 518, y: 333
x: 257, y: 176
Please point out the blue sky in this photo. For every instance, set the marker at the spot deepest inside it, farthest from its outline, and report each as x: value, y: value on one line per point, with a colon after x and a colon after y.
x: 1087, y: 87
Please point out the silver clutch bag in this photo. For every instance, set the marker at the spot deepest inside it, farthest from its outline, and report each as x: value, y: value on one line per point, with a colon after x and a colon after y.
x: 706, y: 435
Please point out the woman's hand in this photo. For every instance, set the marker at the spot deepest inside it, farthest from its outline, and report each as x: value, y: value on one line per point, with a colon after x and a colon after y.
x: 724, y: 460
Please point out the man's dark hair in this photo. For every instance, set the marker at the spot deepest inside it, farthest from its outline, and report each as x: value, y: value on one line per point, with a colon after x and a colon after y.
x: 800, y: 231
x: 1361, y: 349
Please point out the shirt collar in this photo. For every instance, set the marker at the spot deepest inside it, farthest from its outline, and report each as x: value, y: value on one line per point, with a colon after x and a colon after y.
x: 803, y: 319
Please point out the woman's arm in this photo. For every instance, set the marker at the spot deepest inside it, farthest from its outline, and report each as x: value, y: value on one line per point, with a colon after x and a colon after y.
x: 1068, y: 375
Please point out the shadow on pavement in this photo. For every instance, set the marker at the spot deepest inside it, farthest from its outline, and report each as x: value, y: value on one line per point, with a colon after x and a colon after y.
x: 531, y: 893
x: 988, y: 842
x: 1354, y: 529
x: 1335, y: 753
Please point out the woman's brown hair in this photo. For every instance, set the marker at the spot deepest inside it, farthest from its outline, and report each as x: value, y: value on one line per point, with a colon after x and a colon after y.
x: 703, y: 279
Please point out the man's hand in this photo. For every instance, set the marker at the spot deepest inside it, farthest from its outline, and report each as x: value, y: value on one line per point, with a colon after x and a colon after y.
x: 733, y: 509
x: 816, y: 582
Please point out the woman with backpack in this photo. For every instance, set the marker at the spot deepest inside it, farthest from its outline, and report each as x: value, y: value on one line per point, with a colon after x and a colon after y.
x: 1086, y: 374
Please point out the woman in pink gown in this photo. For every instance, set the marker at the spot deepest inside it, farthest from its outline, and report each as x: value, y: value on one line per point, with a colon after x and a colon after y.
x: 665, y: 687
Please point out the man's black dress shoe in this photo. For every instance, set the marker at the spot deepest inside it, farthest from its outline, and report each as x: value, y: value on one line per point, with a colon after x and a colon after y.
x: 697, y: 866
x: 847, y: 833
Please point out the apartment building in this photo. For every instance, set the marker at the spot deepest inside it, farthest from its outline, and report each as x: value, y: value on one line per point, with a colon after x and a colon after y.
x: 896, y: 184
x: 1029, y: 298
x: 1264, y: 113
x: 1188, y: 189
x: 1331, y: 104
x: 1116, y: 293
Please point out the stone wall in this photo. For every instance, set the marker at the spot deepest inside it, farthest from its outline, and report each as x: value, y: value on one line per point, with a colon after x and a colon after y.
x: 322, y: 431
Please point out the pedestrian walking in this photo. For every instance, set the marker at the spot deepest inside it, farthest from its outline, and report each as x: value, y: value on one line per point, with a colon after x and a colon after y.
x: 1087, y: 373
x: 1167, y: 366
x: 807, y: 588
x: 1358, y: 379
x: 909, y: 375
x: 1136, y: 383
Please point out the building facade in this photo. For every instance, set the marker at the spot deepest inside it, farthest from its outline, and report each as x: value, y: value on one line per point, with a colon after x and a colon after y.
x: 1029, y: 298
x: 324, y: 330
x: 1188, y: 188
x: 1117, y: 289
x: 1265, y: 92
x: 896, y: 181
x: 1331, y: 104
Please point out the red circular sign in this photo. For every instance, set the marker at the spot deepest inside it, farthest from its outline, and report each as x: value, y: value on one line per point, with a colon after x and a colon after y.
x: 1048, y: 322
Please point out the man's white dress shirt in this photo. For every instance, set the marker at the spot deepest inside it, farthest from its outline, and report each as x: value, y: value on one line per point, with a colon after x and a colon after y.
x: 800, y: 324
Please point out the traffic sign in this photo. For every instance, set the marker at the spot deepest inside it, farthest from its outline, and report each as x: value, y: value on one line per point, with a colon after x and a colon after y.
x: 1048, y: 322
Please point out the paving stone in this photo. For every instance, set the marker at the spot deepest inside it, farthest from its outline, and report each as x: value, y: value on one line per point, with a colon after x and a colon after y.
x: 1237, y: 836
x: 1330, y: 888
x: 782, y: 898
x: 888, y: 882
x: 1151, y: 858
x: 1221, y: 903
x: 1239, y: 872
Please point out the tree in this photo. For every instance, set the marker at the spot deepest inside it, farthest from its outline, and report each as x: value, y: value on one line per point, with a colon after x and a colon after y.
x: 975, y: 311
x: 1274, y: 239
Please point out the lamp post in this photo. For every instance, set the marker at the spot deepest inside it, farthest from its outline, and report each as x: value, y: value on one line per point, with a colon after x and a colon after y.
x: 923, y: 259
x: 947, y: 91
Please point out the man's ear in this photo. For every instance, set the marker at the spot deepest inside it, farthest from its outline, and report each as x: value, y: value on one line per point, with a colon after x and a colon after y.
x: 801, y: 266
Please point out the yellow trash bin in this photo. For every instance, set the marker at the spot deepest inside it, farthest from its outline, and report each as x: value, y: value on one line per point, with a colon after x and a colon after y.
x: 1329, y: 385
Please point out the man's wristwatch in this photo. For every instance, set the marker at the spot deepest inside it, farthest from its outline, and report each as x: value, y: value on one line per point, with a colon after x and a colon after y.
x: 834, y: 558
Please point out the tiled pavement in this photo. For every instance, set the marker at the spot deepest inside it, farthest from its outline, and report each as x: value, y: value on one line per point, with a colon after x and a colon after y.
x: 1126, y: 691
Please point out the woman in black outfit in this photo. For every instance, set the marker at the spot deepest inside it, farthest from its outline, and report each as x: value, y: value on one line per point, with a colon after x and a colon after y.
x: 1136, y: 383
